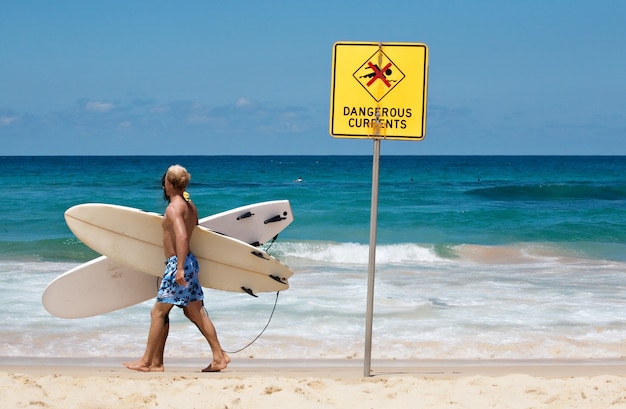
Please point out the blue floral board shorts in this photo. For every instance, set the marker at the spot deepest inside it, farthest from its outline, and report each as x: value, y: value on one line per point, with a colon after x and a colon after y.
x: 172, y: 293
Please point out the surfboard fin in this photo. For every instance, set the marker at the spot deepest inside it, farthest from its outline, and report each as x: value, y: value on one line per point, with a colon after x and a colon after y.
x: 249, y: 292
x: 276, y: 218
x: 279, y: 279
x: 259, y: 255
x: 245, y: 215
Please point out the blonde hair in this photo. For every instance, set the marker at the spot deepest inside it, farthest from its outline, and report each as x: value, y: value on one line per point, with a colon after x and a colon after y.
x: 178, y: 177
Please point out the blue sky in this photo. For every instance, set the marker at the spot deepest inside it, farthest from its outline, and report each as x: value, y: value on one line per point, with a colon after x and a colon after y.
x: 253, y: 77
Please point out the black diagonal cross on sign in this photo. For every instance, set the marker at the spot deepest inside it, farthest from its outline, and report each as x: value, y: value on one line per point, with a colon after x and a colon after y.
x: 378, y: 73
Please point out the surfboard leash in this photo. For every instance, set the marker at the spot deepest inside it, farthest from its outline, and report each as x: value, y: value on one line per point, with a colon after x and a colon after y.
x: 269, y: 246
x: 266, y: 249
x: 262, y: 331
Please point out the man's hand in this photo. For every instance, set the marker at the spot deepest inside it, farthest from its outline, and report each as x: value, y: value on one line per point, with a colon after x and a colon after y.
x: 180, y: 278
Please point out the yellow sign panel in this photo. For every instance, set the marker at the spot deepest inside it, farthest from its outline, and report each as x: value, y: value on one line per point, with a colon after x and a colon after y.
x: 379, y: 90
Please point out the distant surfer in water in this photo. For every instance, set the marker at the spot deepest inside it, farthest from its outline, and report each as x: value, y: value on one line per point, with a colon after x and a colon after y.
x: 180, y: 285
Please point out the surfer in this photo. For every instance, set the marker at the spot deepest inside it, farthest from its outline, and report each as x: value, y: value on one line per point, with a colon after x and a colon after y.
x: 180, y: 285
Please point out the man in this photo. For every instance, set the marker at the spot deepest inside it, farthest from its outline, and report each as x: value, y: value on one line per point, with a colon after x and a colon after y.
x: 180, y: 285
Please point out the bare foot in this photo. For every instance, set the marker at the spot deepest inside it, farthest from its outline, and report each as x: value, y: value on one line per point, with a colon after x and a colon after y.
x: 158, y: 368
x: 217, y: 366
x: 213, y: 368
x: 137, y: 365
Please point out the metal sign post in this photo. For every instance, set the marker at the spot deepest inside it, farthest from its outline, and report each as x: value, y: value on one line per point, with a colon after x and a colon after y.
x: 371, y: 270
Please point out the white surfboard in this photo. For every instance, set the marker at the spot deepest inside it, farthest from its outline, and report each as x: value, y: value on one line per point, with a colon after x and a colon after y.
x: 134, y: 238
x: 97, y: 287
x: 103, y: 285
x: 253, y: 224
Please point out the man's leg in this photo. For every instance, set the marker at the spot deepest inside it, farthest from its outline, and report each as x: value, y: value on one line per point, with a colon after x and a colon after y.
x: 159, y: 353
x: 198, y: 316
x: 156, y: 337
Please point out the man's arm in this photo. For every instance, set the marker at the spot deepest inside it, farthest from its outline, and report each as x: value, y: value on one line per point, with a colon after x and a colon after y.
x: 182, y: 241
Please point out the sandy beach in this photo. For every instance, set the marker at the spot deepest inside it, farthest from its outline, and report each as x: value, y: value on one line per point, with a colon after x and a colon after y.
x: 252, y: 383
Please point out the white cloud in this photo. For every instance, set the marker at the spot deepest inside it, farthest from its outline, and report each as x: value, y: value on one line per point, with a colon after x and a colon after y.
x: 242, y: 102
x: 7, y: 120
x: 159, y: 109
x: 198, y: 119
x: 96, y: 106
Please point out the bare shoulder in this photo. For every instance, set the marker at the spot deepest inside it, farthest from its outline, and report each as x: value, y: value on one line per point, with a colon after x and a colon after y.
x: 174, y: 209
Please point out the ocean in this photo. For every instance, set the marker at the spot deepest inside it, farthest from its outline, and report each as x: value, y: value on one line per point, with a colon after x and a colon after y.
x: 478, y: 257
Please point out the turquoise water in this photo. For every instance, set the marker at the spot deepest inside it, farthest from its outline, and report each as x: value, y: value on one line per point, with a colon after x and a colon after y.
x: 477, y: 257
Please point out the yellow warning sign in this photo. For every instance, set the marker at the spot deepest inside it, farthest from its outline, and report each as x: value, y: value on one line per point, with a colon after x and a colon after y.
x: 378, y: 90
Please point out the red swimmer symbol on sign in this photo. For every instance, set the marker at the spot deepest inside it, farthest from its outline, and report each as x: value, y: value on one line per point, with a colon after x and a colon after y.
x: 370, y: 74
x: 378, y: 73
